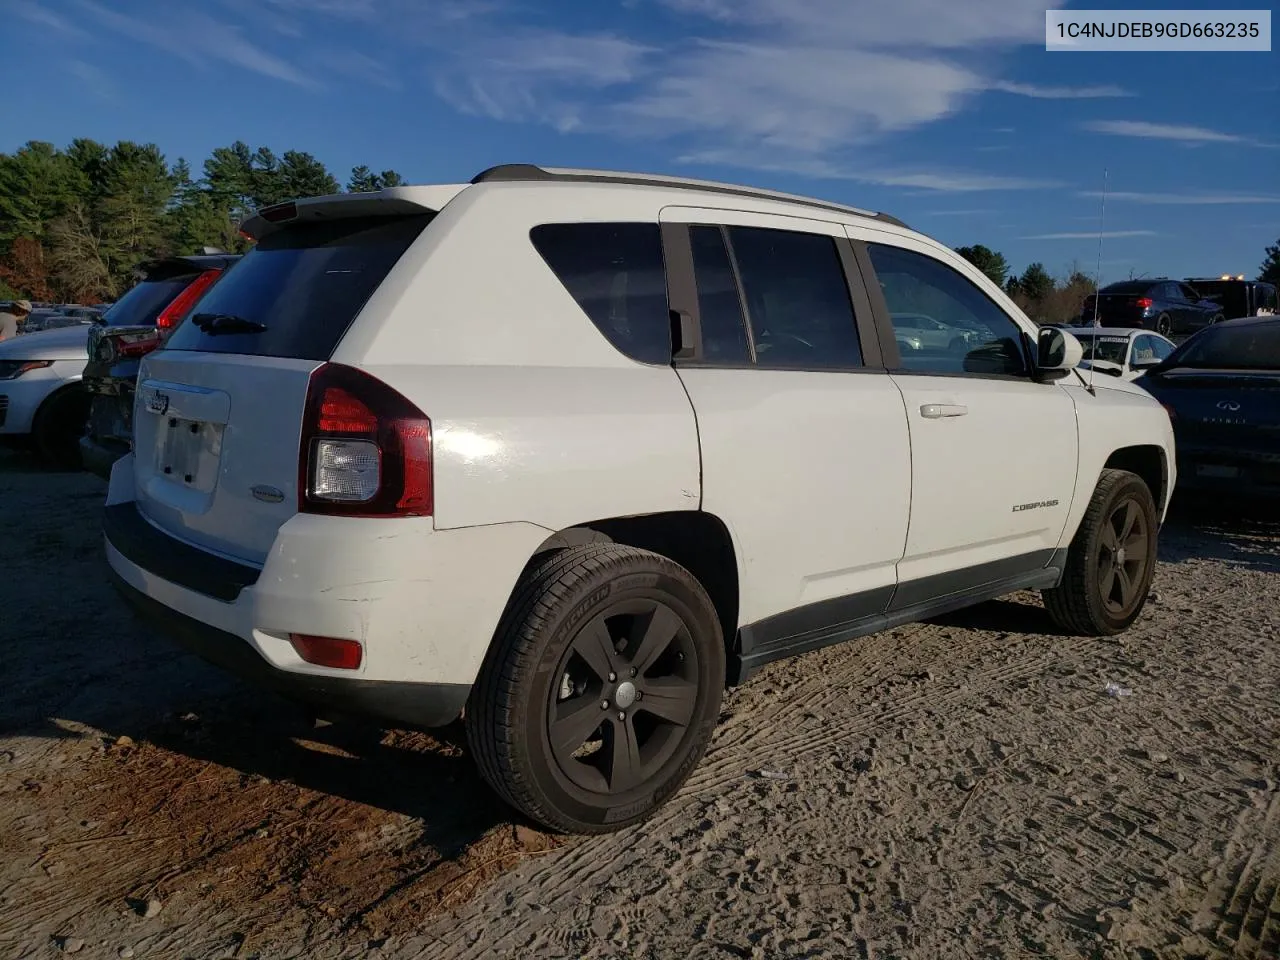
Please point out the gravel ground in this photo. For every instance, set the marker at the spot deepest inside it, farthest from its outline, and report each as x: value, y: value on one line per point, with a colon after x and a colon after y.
x: 964, y: 788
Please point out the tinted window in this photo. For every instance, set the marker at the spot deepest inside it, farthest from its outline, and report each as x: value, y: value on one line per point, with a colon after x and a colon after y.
x: 797, y: 299
x: 145, y: 300
x: 1161, y: 347
x: 1251, y: 346
x: 614, y: 271
x: 304, y: 283
x: 1265, y: 298
x: 724, y: 336
x: 1187, y: 293
x: 969, y: 334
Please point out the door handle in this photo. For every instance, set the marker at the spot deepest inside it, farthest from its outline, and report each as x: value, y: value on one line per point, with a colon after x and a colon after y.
x: 936, y: 411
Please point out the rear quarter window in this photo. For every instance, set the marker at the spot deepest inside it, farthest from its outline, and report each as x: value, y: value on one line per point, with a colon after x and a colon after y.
x: 304, y: 284
x: 614, y: 271
x: 145, y: 300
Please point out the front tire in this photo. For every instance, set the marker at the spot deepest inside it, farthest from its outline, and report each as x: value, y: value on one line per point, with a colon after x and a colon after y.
x: 601, y: 689
x: 1111, y: 559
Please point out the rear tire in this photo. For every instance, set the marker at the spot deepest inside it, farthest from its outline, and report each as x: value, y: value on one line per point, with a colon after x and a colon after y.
x: 552, y: 733
x: 58, y: 426
x: 1111, y: 559
x: 1164, y: 325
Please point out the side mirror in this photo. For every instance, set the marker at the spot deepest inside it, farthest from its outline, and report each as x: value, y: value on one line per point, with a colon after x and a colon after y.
x: 1057, y: 351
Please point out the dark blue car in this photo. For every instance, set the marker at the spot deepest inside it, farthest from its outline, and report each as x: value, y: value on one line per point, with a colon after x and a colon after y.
x: 1222, y: 391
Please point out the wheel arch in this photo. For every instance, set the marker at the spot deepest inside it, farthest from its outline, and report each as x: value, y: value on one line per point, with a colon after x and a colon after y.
x: 1149, y: 462
x: 54, y: 396
x: 698, y: 541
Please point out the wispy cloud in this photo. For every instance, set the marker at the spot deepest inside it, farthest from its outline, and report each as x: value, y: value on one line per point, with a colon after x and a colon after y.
x: 1181, y: 133
x: 1085, y: 235
x: 361, y: 67
x: 44, y: 17
x: 786, y: 85
x: 1060, y: 93
x: 95, y: 78
x: 925, y: 180
x: 538, y: 76
x: 198, y: 38
x: 1185, y: 199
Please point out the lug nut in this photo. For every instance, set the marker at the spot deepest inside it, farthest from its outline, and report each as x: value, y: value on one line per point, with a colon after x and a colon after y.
x: 633, y: 671
x: 604, y: 704
x: 621, y: 715
x: 639, y: 695
x: 613, y: 677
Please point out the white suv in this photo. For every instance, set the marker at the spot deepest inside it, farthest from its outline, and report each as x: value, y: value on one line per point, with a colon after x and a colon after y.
x: 572, y: 450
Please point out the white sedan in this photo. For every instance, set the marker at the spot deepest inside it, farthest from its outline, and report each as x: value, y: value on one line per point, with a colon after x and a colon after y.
x: 1124, y: 352
x: 41, y: 396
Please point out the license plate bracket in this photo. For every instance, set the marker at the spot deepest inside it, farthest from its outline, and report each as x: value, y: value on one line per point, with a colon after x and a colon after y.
x: 180, y: 449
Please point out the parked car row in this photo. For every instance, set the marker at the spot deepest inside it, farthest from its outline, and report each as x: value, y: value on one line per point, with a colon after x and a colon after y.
x: 140, y: 323
x: 1177, y: 309
x: 66, y: 388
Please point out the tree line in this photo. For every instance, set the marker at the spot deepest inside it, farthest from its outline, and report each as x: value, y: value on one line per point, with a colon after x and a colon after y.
x: 1048, y: 299
x: 75, y: 222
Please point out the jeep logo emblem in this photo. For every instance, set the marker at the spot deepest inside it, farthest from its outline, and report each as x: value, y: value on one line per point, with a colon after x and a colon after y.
x: 158, y: 403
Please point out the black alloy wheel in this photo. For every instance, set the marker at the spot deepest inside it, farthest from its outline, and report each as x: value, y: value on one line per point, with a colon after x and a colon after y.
x: 628, y: 692
x: 1123, y: 557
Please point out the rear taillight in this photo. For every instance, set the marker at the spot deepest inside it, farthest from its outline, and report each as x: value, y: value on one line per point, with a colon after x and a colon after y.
x: 1144, y: 303
x: 172, y: 315
x: 365, y: 450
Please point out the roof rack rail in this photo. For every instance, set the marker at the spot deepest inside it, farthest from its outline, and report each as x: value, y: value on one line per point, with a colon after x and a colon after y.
x: 528, y: 172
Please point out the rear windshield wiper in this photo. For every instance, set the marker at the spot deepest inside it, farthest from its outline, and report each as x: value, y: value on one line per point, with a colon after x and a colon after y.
x: 226, y: 323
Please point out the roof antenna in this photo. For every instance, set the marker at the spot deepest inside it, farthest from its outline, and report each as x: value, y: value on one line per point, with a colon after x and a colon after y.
x: 1097, y: 289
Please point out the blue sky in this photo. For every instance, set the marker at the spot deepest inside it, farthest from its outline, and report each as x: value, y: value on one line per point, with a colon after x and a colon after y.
x: 947, y: 113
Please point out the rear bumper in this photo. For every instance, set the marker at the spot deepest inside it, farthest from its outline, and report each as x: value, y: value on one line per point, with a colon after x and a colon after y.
x: 423, y: 603
x: 420, y: 705
x: 1227, y: 472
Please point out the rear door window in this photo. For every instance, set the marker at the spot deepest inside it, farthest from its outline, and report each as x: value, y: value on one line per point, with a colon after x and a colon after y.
x: 724, y: 334
x: 614, y: 271
x: 797, y: 299
x: 303, y: 284
x: 145, y: 300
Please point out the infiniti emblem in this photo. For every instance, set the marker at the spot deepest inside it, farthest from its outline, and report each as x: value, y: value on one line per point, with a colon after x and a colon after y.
x: 1230, y: 405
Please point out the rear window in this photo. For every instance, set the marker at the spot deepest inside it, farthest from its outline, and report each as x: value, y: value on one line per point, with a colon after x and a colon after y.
x: 1130, y: 288
x: 304, y: 284
x: 614, y: 272
x: 1249, y: 346
x: 144, y: 302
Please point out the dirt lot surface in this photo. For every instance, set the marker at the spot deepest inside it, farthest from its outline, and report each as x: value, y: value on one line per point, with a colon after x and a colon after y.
x: 965, y: 788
